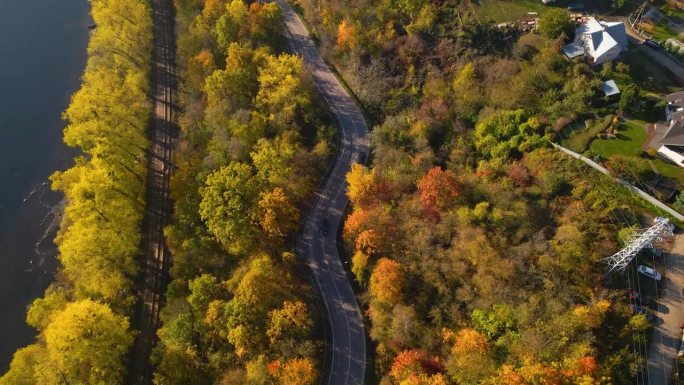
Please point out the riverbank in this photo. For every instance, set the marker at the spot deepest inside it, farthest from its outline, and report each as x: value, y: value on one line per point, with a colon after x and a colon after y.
x: 31, y: 103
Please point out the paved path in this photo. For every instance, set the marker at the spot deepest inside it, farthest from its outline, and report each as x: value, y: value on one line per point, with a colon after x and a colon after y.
x: 162, y: 134
x: 666, y: 335
x: 346, y: 343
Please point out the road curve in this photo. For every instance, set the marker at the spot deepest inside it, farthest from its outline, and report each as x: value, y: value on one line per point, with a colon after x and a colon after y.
x: 346, y: 343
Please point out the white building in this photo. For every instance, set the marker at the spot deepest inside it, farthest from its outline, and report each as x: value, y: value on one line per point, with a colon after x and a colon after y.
x: 668, y: 137
x: 599, y: 41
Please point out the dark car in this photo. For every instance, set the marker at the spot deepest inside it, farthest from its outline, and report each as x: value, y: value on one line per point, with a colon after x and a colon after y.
x: 323, y: 226
x: 653, y: 44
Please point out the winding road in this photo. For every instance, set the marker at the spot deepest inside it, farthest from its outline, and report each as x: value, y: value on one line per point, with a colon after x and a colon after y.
x: 346, y: 340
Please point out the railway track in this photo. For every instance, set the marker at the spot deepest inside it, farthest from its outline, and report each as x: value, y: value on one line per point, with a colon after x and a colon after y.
x: 163, y: 131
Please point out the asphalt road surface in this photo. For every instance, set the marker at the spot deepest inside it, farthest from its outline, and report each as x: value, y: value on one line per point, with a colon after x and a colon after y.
x: 666, y: 335
x: 657, y: 55
x: 346, y: 342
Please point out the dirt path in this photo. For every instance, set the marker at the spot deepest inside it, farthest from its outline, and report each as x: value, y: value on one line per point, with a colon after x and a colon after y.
x: 666, y: 335
x: 162, y: 136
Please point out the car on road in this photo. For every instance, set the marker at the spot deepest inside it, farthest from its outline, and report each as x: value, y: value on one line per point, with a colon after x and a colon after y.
x: 653, y: 44
x: 655, y: 252
x: 323, y: 226
x: 647, y: 271
x: 636, y: 309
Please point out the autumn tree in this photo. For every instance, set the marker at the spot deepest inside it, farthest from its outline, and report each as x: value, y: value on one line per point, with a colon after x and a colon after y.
x: 282, y: 93
x: 471, y: 360
x: 228, y: 200
x: 346, y: 35
x: 292, y: 322
x: 438, y: 188
x: 297, y: 371
x: 361, y: 185
x: 85, y: 343
x: 386, y: 281
x: 277, y: 215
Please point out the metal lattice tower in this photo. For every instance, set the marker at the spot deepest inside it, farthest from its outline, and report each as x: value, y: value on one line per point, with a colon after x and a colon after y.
x: 638, y: 240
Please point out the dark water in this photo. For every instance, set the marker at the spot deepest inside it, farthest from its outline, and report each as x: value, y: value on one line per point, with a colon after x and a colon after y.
x: 42, y: 55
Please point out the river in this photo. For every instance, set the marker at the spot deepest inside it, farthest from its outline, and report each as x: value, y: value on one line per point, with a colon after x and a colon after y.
x: 42, y: 56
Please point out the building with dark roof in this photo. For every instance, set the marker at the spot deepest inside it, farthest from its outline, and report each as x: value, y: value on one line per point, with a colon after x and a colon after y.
x: 668, y: 136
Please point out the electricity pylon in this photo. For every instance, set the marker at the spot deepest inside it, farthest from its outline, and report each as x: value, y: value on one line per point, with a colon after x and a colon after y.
x: 638, y: 240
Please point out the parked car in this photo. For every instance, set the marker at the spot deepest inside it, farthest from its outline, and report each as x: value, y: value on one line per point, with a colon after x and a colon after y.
x: 653, y: 44
x: 640, y: 310
x: 647, y: 271
x: 654, y: 251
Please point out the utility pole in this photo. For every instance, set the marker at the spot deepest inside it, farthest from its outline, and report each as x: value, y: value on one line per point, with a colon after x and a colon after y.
x: 637, y: 241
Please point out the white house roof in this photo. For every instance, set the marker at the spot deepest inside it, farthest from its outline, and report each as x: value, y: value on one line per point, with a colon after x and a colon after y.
x: 600, y: 37
x: 610, y: 88
x: 573, y: 50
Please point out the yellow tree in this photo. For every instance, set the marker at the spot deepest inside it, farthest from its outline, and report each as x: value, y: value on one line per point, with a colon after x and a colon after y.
x: 297, y: 371
x: 277, y: 215
x: 346, y: 36
x: 470, y: 361
x: 361, y: 185
x: 281, y: 89
x: 386, y: 281
x: 87, y: 342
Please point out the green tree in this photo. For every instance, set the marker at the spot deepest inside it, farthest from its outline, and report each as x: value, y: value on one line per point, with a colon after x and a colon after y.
x: 555, y: 22
x: 630, y: 101
x: 273, y: 159
x: 467, y: 93
x: 507, y: 133
x: 228, y: 200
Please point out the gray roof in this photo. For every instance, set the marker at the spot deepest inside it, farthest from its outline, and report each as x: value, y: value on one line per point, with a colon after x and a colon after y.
x: 676, y: 97
x: 610, y: 88
x: 678, y: 115
x: 617, y: 32
x: 573, y: 50
x: 675, y: 136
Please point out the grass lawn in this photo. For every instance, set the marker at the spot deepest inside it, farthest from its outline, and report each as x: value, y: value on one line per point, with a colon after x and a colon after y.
x: 668, y: 169
x: 510, y: 10
x: 630, y: 137
x: 578, y: 134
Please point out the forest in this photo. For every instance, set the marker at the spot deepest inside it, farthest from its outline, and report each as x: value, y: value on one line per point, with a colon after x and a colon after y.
x: 84, y: 318
x: 255, y: 144
x: 475, y: 244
